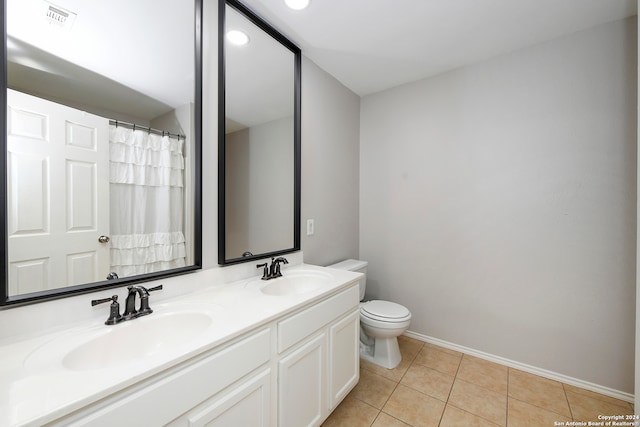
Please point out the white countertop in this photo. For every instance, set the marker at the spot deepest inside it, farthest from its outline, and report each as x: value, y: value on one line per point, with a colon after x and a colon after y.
x: 35, y: 387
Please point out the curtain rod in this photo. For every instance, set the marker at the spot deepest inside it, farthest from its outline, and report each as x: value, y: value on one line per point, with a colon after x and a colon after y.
x: 134, y: 126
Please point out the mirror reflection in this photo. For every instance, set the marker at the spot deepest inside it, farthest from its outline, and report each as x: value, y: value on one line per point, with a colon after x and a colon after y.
x: 259, y: 141
x: 101, y: 141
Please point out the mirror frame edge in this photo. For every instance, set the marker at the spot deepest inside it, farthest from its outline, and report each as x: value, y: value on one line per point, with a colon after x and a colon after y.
x: 297, y: 132
x: 9, y: 301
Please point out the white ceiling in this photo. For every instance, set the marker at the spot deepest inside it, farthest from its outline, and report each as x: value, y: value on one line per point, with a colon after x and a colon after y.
x: 142, y: 44
x: 258, y: 77
x: 368, y: 45
x: 372, y: 45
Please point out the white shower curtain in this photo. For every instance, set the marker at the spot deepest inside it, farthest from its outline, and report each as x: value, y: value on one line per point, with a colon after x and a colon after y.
x: 146, y: 183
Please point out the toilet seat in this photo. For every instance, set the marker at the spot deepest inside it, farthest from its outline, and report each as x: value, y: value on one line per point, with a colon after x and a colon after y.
x: 385, y: 311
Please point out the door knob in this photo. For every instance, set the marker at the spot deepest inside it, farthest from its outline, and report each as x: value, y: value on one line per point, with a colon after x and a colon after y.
x: 103, y: 239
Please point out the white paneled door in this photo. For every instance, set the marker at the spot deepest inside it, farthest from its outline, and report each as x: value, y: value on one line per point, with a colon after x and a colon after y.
x: 58, y: 195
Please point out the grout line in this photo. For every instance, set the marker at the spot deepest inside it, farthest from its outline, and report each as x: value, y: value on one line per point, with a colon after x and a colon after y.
x: 475, y: 415
x: 374, y: 420
x: 543, y: 408
x: 476, y: 385
x: 446, y: 403
x: 455, y: 376
x: 508, y: 377
x: 566, y: 396
x: 395, y: 418
x: 390, y: 394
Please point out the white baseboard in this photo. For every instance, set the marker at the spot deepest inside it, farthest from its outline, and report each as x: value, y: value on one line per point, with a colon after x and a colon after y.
x: 627, y: 397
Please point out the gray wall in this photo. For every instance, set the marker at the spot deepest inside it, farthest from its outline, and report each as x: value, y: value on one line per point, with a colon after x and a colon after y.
x: 259, y: 182
x: 498, y: 204
x: 330, y: 166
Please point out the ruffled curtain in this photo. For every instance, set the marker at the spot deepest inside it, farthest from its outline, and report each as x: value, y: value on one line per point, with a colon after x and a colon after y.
x: 146, y: 183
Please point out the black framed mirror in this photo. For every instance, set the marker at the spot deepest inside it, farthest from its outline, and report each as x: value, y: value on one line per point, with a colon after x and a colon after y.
x: 259, y: 138
x: 102, y: 133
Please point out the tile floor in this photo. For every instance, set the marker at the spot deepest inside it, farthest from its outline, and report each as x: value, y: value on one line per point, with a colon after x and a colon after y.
x: 434, y: 386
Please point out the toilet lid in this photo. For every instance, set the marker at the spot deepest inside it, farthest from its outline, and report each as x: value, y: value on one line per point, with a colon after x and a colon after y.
x: 385, y: 310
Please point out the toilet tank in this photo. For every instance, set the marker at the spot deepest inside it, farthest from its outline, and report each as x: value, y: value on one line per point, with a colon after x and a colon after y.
x: 354, y: 265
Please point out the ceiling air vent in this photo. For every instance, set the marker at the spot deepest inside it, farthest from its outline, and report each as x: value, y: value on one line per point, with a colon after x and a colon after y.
x: 59, y: 16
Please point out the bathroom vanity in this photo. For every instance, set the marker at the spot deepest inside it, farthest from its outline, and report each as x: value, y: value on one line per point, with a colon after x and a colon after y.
x: 251, y: 352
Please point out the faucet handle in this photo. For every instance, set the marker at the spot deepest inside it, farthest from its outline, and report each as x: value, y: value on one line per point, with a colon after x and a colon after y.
x: 95, y: 302
x: 265, y: 272
x: 114, y: 313
x: 156, y: 288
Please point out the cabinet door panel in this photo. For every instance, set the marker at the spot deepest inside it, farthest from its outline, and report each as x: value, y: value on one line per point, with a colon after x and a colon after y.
x: 344, y: 360
x: 247, y: 405
x: 300, y: 377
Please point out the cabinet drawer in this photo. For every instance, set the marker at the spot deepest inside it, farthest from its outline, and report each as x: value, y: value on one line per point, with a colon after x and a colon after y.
x: 303, y: 324
x: 156, y: 402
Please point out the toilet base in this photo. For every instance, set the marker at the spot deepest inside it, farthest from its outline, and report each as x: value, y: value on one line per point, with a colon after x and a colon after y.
x: 386, y: 352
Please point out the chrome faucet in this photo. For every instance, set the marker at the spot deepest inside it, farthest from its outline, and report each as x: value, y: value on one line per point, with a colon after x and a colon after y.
x: 273, y: 271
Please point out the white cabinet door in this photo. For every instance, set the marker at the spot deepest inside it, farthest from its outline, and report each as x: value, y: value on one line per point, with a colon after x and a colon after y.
x: 300, y: 385
x: 247, y: 405
x: 58, y: 194
x: 344, y: 360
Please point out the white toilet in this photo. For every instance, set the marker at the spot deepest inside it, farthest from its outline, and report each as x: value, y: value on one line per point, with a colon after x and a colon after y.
x: 381, y: 322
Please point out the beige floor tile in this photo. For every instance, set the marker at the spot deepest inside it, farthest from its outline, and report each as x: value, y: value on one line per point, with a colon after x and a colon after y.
x: 394, y: 374
x: 483, y: 373
x: 373, y: 389
x: 409, y: 347
x: 586, y: 408
x: 435, y: 386
x: 352, y: 413
x: 439, y: 360
x: 428, y: 381
x: 413, y: 407
x: 443, y: 349
x: 522, y: 414
x: 598, y: 396
x: 386, y: 420
x: 480, y: 401
x: 538, y: 391
x: 454, y: 417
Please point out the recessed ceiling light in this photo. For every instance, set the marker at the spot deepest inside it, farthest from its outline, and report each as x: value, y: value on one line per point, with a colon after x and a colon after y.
x: 297, y: 4
x: 237, y: 37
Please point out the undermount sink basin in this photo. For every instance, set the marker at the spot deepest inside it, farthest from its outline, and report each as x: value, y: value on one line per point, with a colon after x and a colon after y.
x: 136, y: 340
x: 296, y: 283
x: 124, y: 343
